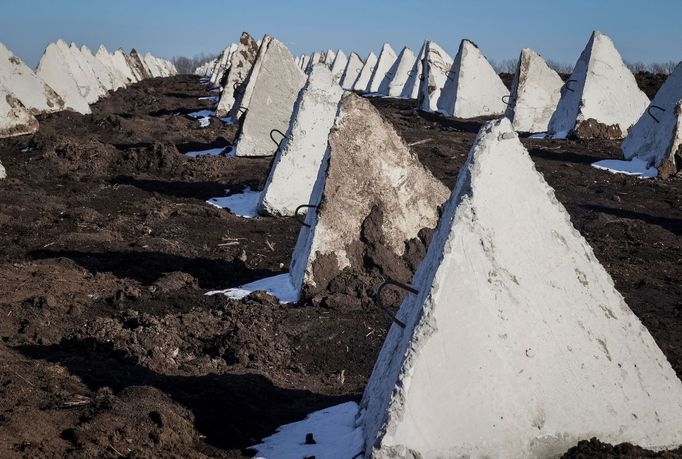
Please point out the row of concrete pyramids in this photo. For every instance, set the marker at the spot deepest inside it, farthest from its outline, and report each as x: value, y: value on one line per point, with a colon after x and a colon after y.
x: 67, y: 78
x: 514, y: 342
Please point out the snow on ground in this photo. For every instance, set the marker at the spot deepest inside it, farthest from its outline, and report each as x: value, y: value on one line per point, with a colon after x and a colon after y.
x: 212, y: 152
x: 204, y: 122
x: 216, y: 90
x: 539, y: 135
x: 201, y: 114
x: 227, y: 120
x: 279, y: 286
x: 635, y: 167
x: 333, y: 430
x: 244, y: 204
x: 211, y: 98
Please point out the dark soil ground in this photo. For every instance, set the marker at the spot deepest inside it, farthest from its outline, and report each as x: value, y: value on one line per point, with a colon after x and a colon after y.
x: 109, y: 346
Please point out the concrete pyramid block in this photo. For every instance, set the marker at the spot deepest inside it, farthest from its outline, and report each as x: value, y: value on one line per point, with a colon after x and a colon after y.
x: 535, y: 93
x: 327, y: 58
x: 223, y: 65
x: 367, y: 166
x: 601, y: 99
x: 411, y: 87
x: 352, y: 71
x: 436, y: 65
x: 137, y: 65
x: 305, y: 60
x: 18, y: 79
x: 473, y: 88
x: 339, y: 65
x: 517, y: 344
x: 15, y: 119
x: 387, y: 58
x: 397, y: 76
x: 270, y: 95
x: 297, y: 162
x: 107, y: 59
x: 121, y: 61
x: 91, y: 88
x: 362, y: 82
x: 241, y: 61
x: 100, y: 71
x: 57, y: 68
x: 657, y: 137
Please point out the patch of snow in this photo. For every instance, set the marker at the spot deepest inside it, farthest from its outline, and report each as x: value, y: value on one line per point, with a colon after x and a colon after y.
x: 539, y: 135
x: 211, y: 152
x: 333, y: 429
x: 244, y: 204
x: 635, y: 167
x: 279, y: 286
x: 201, y: 114
x: 216, y: 90
x: 204, y: 122
x: 227, y: 120
x: 211, y: 98
x: 27, y: 150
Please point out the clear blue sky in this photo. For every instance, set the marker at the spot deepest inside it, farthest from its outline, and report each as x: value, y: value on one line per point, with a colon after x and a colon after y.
x: 643, y: 30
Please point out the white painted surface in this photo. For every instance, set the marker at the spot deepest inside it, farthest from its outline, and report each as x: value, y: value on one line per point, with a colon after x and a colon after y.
x: 435, y: 67
x: 56, y: 69
x: 362, y: 82
x: 535, y: 93
x: 398, y: 75
x: 274, y: 86
x: 384, y: 63
x: 297, y: 161
x: 15, y: 119
x: 657, y: 136
x: 601, y: 88
x: 517, y: 344
x: 473, y: 88
x: 18, y: 79
x: 352, y: 71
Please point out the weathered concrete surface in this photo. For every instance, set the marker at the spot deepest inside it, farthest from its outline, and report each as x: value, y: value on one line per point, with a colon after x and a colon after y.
x: 367, y: 166
x: 3, y: 172
x: 535, y: 93
x: 297, y: 162
x: 270, y: 95
x: 15, y: 119
x: 473, y: 88
x: 386, y: 60
x: 657, y: 137
x: 305, y: 61
x: 411, y: 87
x: 362, y: 82
x: 100, y: 71
x: 327, y: 58
x: 435, y: 67
x: 339, y: 65
x: 241, y: 62
x: 601, y: 93
x: 397, y: 76
x: 107, y: 59
x: 221, y: 65
x: 57, y: 68
x: 352, y: 71
x: 137, y: 65
x: 17, y: 78
x: 517, y: 344
x: 91, y: 88
x: 314, y: 59
x: 121, y: 61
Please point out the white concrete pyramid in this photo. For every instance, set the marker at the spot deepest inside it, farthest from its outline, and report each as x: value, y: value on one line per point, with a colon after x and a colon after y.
x: 18, y: 79
x: 386, y: 60
x: 15, y: 119
x: 223, y: 64
x: 297, y: 162
x: 137, y: 65
x: 100, y: 71
x: 362, y: 82
x: 657, y: 137
x: 304, y: 62
x: 535, y: 93
x: 473, y: 88
x: 411, y: 87
x: 435, y: 67
x: 328, y: 58
x: 367, y: 164
x: 107, y: 60
x: 352, y: 71
x: 314, y: 59
x: 398, y: 75
x: 270, y: 95
x: 121, y: 61
x: 517, y: 344
x: 240, y: 64
x: 91, y: 88
x: 339, y: 65
x: 243, y: 94
x: 57, y: 68
x: 601, y: 99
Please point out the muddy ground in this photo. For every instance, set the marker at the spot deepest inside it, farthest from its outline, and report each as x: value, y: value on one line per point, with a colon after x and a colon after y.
x: 110, y: 347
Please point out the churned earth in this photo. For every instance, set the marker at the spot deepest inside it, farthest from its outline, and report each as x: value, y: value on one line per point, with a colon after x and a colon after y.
x: 109, y: 346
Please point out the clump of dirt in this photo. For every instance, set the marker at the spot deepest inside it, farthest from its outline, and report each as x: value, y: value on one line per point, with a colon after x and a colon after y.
x: 597, y: 450
x: 593, y: 129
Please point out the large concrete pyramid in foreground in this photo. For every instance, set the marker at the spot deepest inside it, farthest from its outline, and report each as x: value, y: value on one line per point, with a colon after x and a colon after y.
x: 473, y: 88
x: 367, y: 166
x: 240, y: 64
x: 536, y: 91
x: 297, y: 162
x: 436, y: 65
x: 517, y: 344
x: 19, y: 79
x: 272, y: 90
x: 601, y: 99
x: 657, y: 136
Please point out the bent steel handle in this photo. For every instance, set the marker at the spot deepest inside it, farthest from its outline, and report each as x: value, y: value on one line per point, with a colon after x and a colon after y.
x: 385, y: 284
x: 567, y: 85
x: 280, y: 133
x: 297, y: 215
x: 508, y: 101
x: 651, y: 114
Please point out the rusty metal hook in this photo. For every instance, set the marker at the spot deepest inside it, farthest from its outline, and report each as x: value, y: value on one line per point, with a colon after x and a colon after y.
x: 296, y: 214
x: 280, y: 133
x: 385, y: 284
x: 508, y: 101
x: 649, y: 112
x: 567, y: 85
